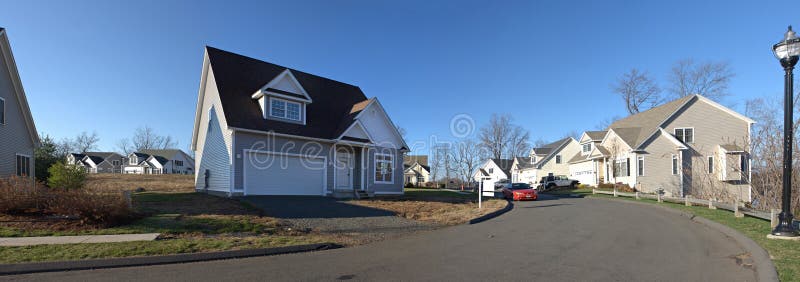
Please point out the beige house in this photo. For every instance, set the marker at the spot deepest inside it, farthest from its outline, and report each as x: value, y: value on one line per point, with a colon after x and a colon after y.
x: 416, y: 170
x: 545, y: 160
x: 18, y: 135
x: 587, y: 166
x: 689, y: 146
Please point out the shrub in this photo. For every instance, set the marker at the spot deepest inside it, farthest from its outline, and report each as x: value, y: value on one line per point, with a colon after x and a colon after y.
x: 66, y: 176
x: 409, y: 185
x: 19, y: 195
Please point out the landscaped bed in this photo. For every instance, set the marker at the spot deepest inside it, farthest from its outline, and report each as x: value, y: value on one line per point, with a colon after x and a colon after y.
x: 435, y: 206
x: 785, y: 254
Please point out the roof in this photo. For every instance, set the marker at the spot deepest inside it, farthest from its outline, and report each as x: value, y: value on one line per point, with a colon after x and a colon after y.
x: 96, y: 160
x: 161, y: 160
x: 483, y: 172
x: 421, y: 159
x: 578, y: 158
x: 504, y: 164
x: 635, y: 129
x: 524, y: 162
x: 603, y: 150
x: 335, y: 105
x: 141, y: 155
x: 551, y: 149
x: 596, y: 135
x: 103, y: 155
x: 732, y: 147
x: 16, y: 83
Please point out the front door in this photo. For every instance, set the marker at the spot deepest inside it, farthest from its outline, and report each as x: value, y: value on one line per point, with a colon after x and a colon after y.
x: 344, y: 170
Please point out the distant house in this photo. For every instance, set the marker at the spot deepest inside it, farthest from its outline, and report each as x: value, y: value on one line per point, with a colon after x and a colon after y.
x: 494, y: 170
x: 265, y: 129
x: 97, y: 162
x: 167, y: 161
x: 416, y: 170
x: 548, y: 159
x: 690, y: 145
x: 588, y: 166
x: 18, y: 136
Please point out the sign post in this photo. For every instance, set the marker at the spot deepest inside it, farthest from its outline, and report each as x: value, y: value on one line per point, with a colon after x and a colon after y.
x: 480, y: 194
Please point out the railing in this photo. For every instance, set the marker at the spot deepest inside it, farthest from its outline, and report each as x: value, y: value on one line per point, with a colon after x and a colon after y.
x: 738, y: 209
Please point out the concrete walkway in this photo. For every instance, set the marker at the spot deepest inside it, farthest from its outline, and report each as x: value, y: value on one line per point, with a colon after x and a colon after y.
x: 54, y: 240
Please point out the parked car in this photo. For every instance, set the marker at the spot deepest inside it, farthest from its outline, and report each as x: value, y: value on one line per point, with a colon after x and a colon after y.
x: 519, y: 192
x: 500, y: 184
x: 552, y: 181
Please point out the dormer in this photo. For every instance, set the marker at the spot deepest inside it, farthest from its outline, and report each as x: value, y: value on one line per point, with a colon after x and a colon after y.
x: 283, y: 99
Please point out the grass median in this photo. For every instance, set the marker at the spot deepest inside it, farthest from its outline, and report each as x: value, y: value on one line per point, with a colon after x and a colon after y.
x: 785, y: 254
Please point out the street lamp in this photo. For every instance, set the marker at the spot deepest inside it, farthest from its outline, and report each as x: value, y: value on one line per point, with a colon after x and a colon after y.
x: 787, y: 51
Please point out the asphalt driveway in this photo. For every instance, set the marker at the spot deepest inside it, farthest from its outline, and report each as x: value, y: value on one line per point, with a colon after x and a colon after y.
x: 329, y: 215
x: 566, y: 239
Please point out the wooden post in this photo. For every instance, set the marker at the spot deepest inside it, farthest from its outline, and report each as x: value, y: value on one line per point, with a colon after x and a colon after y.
x: 127, y: 196
x: 686, y: 201
x: 637, y: 195
x: 594, y: 191
x: 736, y: 211
x: 711, y: 205
x: 773, y: 218
x: 615, y: 191
x: 660, y: 198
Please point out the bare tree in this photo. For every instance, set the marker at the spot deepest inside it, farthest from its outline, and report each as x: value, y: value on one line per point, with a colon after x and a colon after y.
x: 468, y: 157
x: 145, y: 138
x: 518, y: 142
x: 710, y: 79
x: 64, y: 147
x: 604, y: 124
x: 574, y: 134
x: 124, y: 146
x: 638, y: 91
x: 85, y: 142
x: 494, y: 136
x: 539, y: 143
x: 436, y: 163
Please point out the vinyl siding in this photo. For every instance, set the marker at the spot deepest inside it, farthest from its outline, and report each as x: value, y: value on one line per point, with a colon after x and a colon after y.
x: 14, y: 135
x: 566, y: 153
x: 213, y: 148
x: 397, y: 186
x: 658, y: 168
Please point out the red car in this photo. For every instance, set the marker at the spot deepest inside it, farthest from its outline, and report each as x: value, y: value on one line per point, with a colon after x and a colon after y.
x: 519, y: 192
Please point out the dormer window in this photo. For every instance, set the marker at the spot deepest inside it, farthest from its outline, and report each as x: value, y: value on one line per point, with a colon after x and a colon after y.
x: 284, y: 109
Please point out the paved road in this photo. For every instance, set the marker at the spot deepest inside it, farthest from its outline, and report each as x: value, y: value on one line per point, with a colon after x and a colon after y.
x: 549, y: 240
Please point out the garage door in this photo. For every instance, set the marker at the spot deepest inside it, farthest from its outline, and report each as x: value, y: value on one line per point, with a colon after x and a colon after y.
x: 272, y: 174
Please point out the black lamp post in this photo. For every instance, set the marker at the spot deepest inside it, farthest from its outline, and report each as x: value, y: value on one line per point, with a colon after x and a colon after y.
x: 787, y: 51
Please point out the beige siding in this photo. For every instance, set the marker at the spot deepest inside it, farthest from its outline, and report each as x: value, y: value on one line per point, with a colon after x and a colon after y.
x: 566, y: 153
x: 14, y: 135
x: 658, y: 168
x: 712, y: 127
x: 213, y: 146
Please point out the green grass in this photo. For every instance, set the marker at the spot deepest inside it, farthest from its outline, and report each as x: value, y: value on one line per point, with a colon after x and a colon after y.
x: 785, y: 254
x: 431, y: 192
x: 149, y: 248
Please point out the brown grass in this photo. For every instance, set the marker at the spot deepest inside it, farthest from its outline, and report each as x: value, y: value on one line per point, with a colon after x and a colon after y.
x: 434, y: 207
x: 171, y: 183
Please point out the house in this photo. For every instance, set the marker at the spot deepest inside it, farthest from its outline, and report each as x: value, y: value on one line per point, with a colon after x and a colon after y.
x: 548, y: 159
x: 18, y: 134
x: 138, y: 164
x: 97, y: 162
x: 493, y: 170
x: 587, y: 166
x: 171, y: 161
x: 690, y: 145
x: 264, y: 129
x: 416, y: 170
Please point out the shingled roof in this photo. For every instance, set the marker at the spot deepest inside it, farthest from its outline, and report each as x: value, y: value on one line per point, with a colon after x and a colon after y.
x: 636, y: 128
x: 237, y: 77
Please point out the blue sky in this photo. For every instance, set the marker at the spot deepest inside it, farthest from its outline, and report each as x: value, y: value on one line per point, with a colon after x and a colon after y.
x: 113, y: 66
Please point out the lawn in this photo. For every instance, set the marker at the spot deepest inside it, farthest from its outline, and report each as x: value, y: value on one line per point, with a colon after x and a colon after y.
x: 785, y: 254
x: 435, y: 206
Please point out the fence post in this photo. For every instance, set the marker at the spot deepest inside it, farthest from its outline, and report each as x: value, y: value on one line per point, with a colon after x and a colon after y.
x: 711, y: 205
x: 615, y: 191
x: 660, y: 198
x: 127, y: 196
x: 594, y: 191
x: 736, y: 211
x: 686, y: 201
x: 773, y: 217
x: 637, y: 195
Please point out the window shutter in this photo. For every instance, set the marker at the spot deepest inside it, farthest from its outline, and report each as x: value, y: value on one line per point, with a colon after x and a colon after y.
x: 628, y: 167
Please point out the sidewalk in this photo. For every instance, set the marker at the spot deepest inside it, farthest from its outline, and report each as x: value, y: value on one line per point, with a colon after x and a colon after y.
x: 53, y: 240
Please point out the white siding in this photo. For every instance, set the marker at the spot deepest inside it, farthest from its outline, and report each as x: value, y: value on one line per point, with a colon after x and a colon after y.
x: 213, y: 150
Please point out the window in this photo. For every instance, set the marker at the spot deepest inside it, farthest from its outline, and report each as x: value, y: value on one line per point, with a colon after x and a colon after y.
x: 23, y: 165
x: 640, y: 166
x: 2, y: 111
x: 384, y: 166
x: 284, y: 109
x: 710, y: 164
x: 491, y: 170
x: 558, y: 159
x: 743, y: 163
x: 674, y: 164
x: 420, y: 179
x: 686, y: 135
x: 178, y: 163
x: 133, y: 160
x: 622, y: 168
x: 210, y: 120
x: 587, y: 147
x: 115, y: 163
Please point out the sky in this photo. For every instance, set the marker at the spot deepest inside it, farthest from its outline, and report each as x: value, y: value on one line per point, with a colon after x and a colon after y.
x: 113, y: 66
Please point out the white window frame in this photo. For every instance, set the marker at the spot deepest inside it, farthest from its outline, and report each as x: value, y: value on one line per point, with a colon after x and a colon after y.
x: 491, y: 170
x: 683, y: 129
x: 178, y: 163
x: 558, y: 159
x: 391, y: 165
x: 3, y: 113
x: 583, y: 147
x: 710, y: 164
x: 286, y: 109
x: 116, y: 162
x: 134, y: 160
x: 640, y: 166
x: 674, y: 164
x: 17, y: 166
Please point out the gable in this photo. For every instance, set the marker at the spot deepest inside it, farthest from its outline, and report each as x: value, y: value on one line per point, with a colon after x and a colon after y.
x: 379, y: 127
x: 357, y: 130
x: 614, y: 144
x: 17, y: 111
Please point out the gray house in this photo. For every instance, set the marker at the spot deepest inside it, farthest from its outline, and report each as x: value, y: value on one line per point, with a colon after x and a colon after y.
x: 18, y: 135
x: 97, y: 162
x: 264, y: 129
x: 171, y: 161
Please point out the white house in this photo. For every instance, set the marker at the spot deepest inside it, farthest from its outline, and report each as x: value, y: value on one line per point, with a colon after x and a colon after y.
x: 18, y: 136
x: 494, y: 170
x: 97, y: 162
x: 587, y: 165
x: 416, y: 170
x: 264, y: 129
x: 165, y: 161
x: 544, y: 160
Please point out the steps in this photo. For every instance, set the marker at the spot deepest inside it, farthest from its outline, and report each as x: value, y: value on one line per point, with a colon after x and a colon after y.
x: 361, y: 194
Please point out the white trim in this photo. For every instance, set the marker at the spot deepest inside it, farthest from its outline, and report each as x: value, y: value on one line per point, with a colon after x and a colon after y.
x: 374, y: 100
x: 675, y: 133
x: 710, y: 163
x: 16, y: 82
x: 351, y: 159
x: 300, y: 110
x: 200, y: 97
x: 674, y: 165
x: 277, y: 79
x: 31, y: 169
x: 679, y: 145
x: 3, y: 119
x: 232, y: 171
x: 639, y: 166
x: 725, y: 109
x: 393, y: 164
x: 363, y: 169
x: 369, y: 136
x: 250, y: 151
x: 280, y: 134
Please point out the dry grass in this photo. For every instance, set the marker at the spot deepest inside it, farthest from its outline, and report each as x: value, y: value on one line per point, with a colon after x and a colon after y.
x: 170, y: 183
x: 435, y: 212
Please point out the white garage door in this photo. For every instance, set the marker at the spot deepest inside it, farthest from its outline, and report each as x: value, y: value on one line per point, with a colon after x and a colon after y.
x: 272, y: 174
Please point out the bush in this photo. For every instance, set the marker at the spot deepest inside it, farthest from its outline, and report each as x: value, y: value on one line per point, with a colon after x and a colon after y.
x: 409, y: 185
x: 23, y: 196
x: 66, y: 176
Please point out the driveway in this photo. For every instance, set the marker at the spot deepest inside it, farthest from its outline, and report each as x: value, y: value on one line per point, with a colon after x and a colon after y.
x: 559, y: 239
x: 329, y: 215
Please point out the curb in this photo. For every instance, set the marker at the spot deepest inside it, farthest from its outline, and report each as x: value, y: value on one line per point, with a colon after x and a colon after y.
x: 25, y: 268
x: 765, y: 269
x: 493, y: 214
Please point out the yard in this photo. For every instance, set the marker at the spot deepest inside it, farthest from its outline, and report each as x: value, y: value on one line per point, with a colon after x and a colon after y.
x: 194, y: 222
x: 785, y: 254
